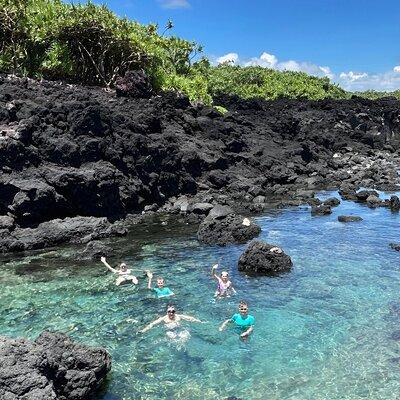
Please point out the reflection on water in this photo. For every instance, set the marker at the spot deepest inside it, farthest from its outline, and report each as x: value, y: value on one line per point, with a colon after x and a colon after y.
x: 328, y: 330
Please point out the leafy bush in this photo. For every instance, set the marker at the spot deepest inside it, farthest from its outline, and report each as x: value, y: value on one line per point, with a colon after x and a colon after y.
x: 248, y: 82
x: 86, y: 44
x: 89, y: 44
x: 374, y: 95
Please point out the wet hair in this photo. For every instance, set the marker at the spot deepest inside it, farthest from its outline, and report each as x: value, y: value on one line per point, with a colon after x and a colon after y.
x: 171, y: 306
x: 243, y: 303
x: 123, y: 265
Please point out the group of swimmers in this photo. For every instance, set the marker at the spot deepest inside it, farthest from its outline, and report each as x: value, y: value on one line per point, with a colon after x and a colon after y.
x: 243, y: 321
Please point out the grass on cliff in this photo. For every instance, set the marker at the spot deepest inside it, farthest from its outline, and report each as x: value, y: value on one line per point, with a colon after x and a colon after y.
x: 89, y: 44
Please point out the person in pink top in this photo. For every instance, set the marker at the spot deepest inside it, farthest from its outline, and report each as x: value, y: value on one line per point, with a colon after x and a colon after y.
x: 224, y: 287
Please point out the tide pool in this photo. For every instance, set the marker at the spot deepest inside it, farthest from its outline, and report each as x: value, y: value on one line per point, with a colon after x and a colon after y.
x: 330, y: 329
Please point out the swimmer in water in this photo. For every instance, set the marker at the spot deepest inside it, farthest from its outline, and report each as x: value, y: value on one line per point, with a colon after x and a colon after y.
x: 160, y: 290
x: 225, y: 287
x: 172, y: 322
x: 244, y: 323
x: 124, y: 274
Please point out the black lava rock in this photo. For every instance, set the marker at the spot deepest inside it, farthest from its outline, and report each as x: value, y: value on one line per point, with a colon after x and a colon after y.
x: 69, y: 151
x: 259, y: 259
x: 228, y: 229
x: 96, y: 249
x: 394, y: 203
x: 362, y: 195
x: 134, y: 84
x: 332, y: 202
x: 51, y: 368
x: 349, y: 218
x: 395, y: 246
x: 322, y: 209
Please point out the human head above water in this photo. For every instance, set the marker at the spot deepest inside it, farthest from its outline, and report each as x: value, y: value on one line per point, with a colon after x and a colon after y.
x: 224, y: 276
x: 123, y: 267
x: 243, y: 307
x: 160, y: 282
x: 171, y: 311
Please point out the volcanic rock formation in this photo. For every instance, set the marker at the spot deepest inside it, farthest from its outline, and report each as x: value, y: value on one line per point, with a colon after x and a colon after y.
x: 69, y: 151
x: 52, y: 367
x: 264, y: 259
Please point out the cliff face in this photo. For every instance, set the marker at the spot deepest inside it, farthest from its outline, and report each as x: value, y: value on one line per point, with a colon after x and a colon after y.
x: 69, y: 151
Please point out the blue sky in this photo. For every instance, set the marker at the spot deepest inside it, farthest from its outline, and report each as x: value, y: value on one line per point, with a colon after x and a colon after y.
x: 354, y: 42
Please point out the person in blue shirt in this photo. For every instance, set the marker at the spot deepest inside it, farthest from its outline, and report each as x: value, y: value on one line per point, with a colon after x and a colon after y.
x: 161, y: 290
x: 244, y: 322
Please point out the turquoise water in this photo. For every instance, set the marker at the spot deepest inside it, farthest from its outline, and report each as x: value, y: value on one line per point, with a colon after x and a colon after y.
x: 330, y: 329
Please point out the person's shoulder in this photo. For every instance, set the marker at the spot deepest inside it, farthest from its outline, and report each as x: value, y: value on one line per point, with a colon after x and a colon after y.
x: 235, y: 317
x: 252, y: 319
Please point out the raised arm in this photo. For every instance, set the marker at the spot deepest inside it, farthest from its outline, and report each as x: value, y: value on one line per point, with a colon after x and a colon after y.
x: 152, y: 324
x: 224, y: 324
x: 150, y: 276
x: 189, y: 318
x: 213, y: 274
x: 104, y: 261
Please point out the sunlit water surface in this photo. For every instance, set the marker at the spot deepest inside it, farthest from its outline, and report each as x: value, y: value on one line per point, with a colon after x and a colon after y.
x: 327, y: 330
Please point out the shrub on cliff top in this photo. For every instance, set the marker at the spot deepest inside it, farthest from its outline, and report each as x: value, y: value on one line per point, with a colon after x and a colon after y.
x: 255, y: 81
x: 89, y: 44
x: 85, y: 43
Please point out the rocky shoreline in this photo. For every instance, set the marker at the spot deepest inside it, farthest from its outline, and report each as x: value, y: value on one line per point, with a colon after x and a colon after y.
x: 79, y: 164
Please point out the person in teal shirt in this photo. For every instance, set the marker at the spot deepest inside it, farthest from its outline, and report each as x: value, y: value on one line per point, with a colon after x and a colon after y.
x: 244, y: 322
x: 161, y: 290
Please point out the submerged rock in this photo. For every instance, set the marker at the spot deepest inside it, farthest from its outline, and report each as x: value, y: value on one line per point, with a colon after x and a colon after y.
x: 229, y: 229
x: 349, y: 218
x: 263, y: 258
x: 96, y: 249
x: 395, y: 246
x: 53, y: 367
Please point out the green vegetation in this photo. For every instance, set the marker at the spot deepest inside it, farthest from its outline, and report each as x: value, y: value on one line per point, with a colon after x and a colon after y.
x: 89, y: 44
x: 221, y: 110
x: 374, y: 95
x: 251, y: 82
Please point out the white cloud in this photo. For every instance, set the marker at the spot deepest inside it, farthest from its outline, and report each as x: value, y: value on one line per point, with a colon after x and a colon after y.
x: 265, y: 60
x: 327, y: 72
x: 353, y: 76
x: 386, y: 81
x: 231, y: 58
x: 268, y: 60
x: 174, y: 3
x: 396, y: 68
x: 290, y: 65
